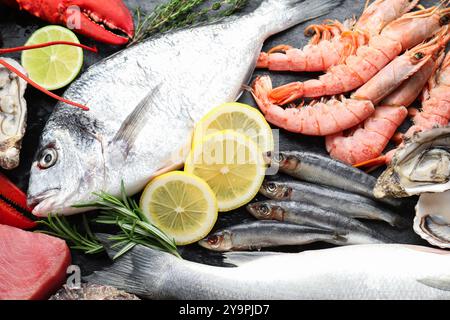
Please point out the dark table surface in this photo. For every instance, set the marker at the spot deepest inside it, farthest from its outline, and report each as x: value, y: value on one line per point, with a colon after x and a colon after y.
x: 16, y: 27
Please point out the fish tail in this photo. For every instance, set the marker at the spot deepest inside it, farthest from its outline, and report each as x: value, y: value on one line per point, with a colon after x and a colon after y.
x: 140, y: 271
x: 281, y: 15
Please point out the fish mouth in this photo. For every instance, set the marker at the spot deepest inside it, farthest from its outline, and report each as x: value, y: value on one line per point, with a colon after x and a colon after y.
x: 43, y: 202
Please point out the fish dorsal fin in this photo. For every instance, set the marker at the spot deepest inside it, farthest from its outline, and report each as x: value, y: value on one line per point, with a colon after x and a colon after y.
x: 238, y: 259
x: 131, y: 127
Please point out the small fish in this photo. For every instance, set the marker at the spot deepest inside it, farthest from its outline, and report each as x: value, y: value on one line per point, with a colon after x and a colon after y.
x: 266, y: 234
x: 92, y: 292
x: 144, y: 102
x: 381, y: 271
x: 348, y: 204
x: 305, y: 214
x: 320, y: 169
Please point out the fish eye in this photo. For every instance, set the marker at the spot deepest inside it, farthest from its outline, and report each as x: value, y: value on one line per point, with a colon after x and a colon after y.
x: 214, y: 240
x: 48, y: 158
x: 271, y: 187
x: 264, y: 209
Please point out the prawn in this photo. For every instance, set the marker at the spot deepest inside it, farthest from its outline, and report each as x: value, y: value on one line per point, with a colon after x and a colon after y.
x: 368, y: 141
x: 319, y: 118
x: 400, y: 35
x: 436, y: 101
x: 381, y: 12
x: 333, y: 41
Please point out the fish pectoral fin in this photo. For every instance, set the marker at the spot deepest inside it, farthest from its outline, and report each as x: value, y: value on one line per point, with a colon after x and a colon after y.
x: 129, y: 131
x: 440, y: 283
x: 238, y: 259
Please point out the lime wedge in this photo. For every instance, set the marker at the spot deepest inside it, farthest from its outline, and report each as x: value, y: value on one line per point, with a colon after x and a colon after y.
x: 53, y: 67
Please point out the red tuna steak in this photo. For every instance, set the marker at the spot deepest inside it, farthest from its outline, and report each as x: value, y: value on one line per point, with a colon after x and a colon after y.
x: 32, y: 265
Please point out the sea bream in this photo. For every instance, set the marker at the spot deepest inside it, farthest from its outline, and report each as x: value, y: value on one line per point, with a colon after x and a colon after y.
x: 381, y: 271
x: 144, y: 102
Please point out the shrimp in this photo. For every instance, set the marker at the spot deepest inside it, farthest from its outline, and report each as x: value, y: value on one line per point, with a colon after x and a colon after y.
x: 436, y: 101
x: 402, y: 68
x: 400, y: 35
x: 318, y: 118
x: 333, y: 41
x: 381, y: 12
x: 368, y: 141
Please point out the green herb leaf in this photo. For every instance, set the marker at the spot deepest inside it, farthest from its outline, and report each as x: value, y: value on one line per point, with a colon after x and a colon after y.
x: 61, y: 228
x: 182, y: 13
x: 122, y: 212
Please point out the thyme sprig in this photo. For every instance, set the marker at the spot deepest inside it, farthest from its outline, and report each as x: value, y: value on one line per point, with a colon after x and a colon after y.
x: 176, y: 14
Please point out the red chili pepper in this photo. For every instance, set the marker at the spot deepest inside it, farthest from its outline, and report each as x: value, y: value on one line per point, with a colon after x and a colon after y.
x: 34, y: 84
x: 14, y: 210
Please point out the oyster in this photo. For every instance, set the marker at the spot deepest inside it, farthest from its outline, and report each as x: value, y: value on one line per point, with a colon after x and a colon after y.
x: 13, y: 110
x: 432, y: 221
x: 422, y: 165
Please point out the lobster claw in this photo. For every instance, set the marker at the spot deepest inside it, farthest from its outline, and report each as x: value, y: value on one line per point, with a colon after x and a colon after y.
x: 110, y: 23
x: 13, y: 206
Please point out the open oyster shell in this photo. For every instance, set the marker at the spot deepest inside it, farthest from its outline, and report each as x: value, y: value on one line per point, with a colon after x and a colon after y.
x: 422, y: 165
x: 432, y: 221
x: 13, y: 111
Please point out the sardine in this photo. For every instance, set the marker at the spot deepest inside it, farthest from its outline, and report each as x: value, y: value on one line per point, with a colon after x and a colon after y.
x: 353, y: 230
x: 144, y: 102
x: 266, y: 234
x: 320, y: 169
x: 348, y: 204
x: 384, y: 271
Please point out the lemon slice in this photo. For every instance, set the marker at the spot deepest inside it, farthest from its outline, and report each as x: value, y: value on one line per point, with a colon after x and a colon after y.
x: 182, y: 205
x: 56, y: 66
x: 238, y: 117
x: 231, y: 164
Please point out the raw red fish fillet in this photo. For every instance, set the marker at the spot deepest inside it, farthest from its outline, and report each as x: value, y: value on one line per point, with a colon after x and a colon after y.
x: 32, y: 265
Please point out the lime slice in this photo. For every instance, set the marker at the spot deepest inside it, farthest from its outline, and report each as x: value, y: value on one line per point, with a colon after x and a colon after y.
x: 182, y: 205
x: 231, y: 164
x: 240, y: 118
x: 56, y: 66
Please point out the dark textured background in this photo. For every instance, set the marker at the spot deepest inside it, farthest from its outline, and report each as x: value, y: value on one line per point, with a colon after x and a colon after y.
x: 16, y: 27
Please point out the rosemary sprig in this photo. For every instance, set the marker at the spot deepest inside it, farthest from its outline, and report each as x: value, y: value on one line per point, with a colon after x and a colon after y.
x: 134, y: 225
x: 182, y: 13
x: 61, y: 228
x: 122, y: 212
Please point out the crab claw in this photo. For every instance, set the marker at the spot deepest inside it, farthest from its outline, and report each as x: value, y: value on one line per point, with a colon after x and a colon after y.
x: 111, y: 23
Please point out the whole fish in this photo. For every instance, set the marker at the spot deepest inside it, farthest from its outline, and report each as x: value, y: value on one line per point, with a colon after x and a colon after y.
x: 383, y: 271
x: 144, y: 102
x: 353, y: 230
x: 266, y: 234
x: 348, y: 204
x: 320, y: 169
